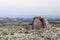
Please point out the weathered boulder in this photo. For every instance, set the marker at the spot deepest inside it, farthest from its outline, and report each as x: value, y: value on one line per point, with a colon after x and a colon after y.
x: 40, y: 22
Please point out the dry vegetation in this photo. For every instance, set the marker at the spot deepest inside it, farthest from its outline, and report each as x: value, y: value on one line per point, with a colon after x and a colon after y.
x: 18, y: 29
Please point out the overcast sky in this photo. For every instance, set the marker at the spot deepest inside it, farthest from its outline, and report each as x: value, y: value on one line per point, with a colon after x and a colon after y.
x: 29, y: 7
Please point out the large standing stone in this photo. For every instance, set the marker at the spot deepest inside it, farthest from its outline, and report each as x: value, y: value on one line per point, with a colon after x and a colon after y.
x: 40, y: 22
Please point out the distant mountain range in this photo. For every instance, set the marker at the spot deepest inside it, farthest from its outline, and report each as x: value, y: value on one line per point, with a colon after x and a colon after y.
x: 31, y: 16
x: 20, y: 19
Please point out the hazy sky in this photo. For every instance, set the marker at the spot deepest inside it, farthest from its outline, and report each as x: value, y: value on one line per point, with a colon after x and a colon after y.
x: 29, y: 7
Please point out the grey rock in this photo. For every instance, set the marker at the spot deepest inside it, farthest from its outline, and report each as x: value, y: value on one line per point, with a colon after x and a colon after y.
x: 40, y: 22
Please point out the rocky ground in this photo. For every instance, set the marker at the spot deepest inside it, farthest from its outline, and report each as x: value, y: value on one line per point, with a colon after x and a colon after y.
x: 42, y: 34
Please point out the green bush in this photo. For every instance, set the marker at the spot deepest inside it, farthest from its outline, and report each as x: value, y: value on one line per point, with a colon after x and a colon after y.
x: 5, y: 31
x: 26, y: 32
x: 12, y: 33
